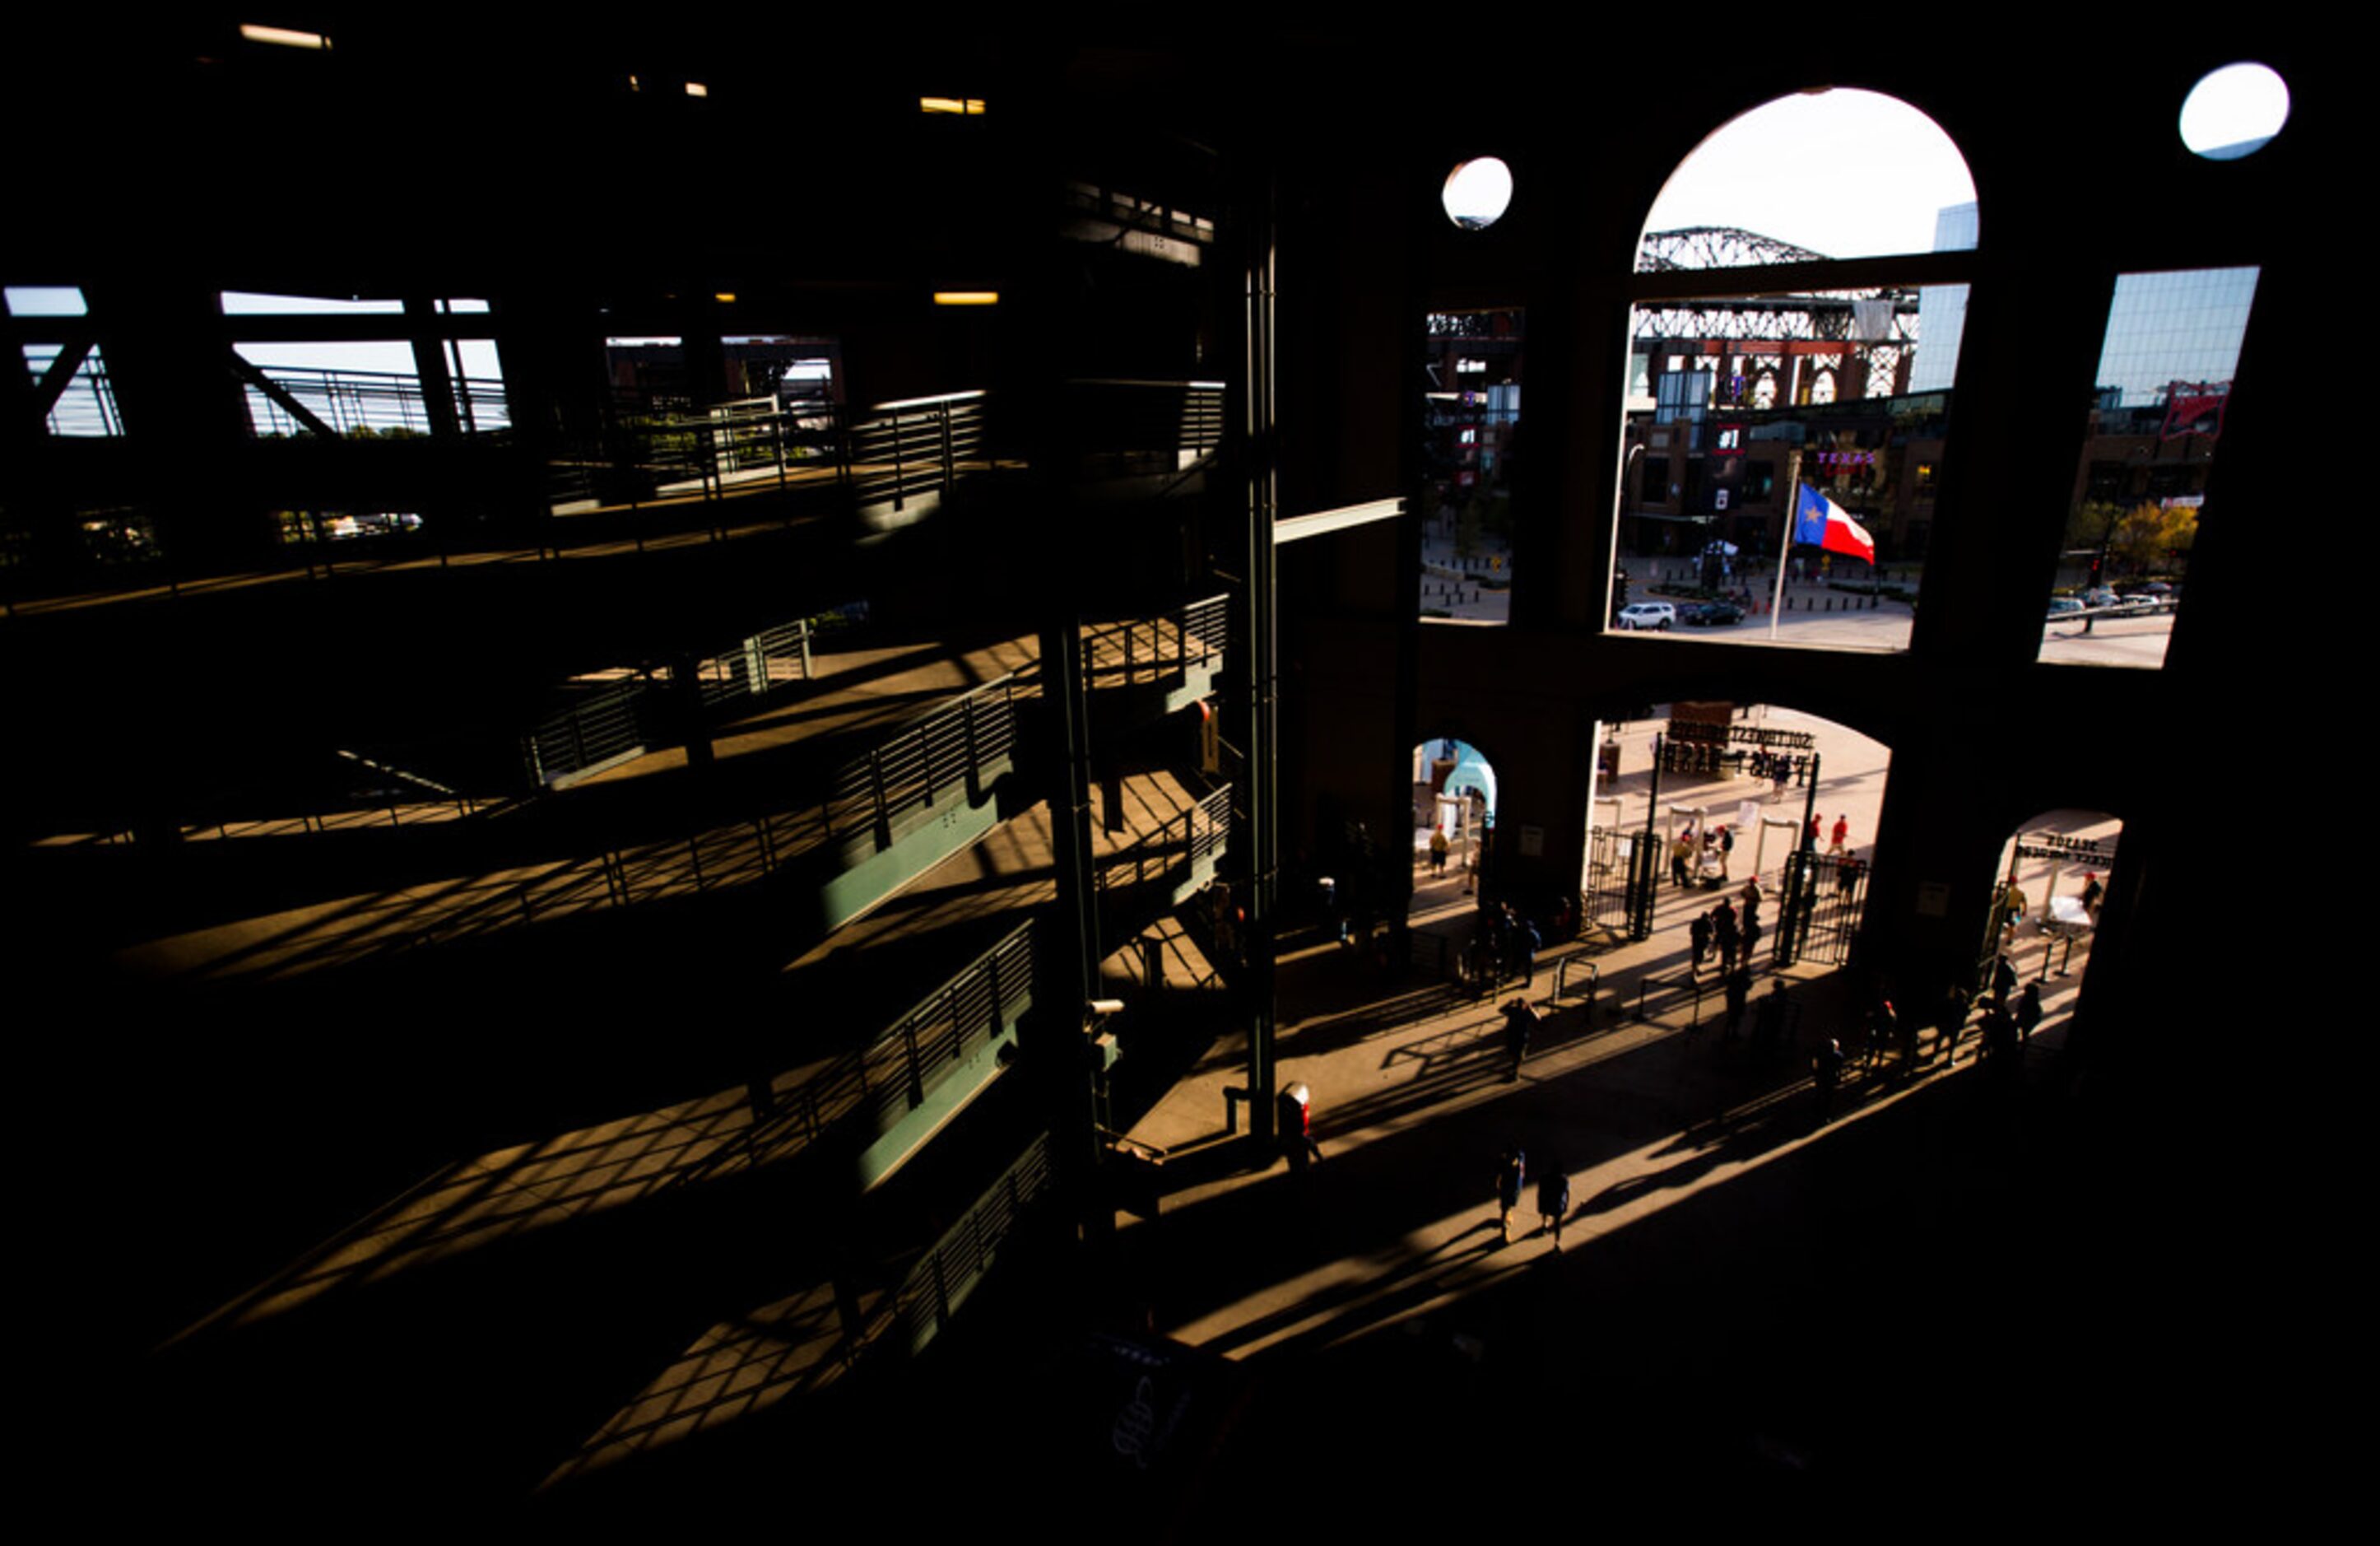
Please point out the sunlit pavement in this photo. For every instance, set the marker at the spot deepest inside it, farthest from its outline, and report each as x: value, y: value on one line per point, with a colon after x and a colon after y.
x: 1738, y: 1272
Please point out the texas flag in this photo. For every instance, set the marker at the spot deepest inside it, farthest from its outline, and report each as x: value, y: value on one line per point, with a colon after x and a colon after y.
x: 1821, y: 522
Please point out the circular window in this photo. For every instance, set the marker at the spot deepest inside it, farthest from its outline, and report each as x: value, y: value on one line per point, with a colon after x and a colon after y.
x: 2233, y: 111
x: 1477, y: 192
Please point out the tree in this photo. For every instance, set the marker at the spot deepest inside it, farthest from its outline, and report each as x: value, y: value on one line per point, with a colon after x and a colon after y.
x: 2148, y: 533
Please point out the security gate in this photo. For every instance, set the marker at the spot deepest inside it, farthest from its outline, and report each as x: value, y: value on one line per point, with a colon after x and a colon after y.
x: 1604, y: 903
x: 1825, y: 896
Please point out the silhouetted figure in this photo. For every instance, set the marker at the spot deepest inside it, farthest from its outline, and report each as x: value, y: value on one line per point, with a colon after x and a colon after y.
x: 2028, y: 1013
x: 1511, y: 1172
x: 1520, y: 943
x: 1883, y: 1030
x: 1949, y: 1021
x: 1521, y: 1019
x: 1698, y: 933
x: 1826, y: 1069
x: 1769, y: 1025
x: 1553, y: 1199
x: 1739, y: 997
x: 1294, y: 1112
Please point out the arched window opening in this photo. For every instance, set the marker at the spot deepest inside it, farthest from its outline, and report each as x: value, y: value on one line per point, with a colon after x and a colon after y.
x: 1727, y: 515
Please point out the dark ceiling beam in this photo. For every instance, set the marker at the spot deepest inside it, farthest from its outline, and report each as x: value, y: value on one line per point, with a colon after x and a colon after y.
x: 62, y: 370
x: 273, y: 389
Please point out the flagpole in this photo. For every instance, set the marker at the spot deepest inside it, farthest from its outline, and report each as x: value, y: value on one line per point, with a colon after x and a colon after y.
x: 1785, y: 539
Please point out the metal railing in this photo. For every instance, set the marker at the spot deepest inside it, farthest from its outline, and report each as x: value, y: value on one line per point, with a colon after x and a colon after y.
x: 1199, y: 832
x: 768, y: 661
x: 938, y: 1284
x: 949, y: 1026
x: 87, y: 406
x: 1155, y: 649
x: 906, y: 450
x: 1176, y: 421
x: 889, y: 454
x: 904, y: 1063
x: 605, y: 725
x: 372, y: 402
x: 629, y: 716
x: 952, y: 751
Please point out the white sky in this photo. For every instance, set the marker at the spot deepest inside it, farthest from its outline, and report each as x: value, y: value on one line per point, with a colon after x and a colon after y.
x: 1847, y: 173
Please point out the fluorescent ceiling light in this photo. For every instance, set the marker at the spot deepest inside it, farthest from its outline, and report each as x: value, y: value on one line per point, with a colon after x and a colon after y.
x: 971, y: 106
x: 966, y: 298
x: 696, y: 89
x: 283, y: 37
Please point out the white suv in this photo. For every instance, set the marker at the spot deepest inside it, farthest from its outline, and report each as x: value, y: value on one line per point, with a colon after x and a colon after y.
x: 1646, y: 614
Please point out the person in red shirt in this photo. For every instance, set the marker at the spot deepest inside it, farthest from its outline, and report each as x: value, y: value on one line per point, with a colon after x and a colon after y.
x: 1841, y: 835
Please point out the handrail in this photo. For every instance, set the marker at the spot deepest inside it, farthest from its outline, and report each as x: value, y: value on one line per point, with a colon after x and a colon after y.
x: 1198, y: 833
x: 1157, y: 649
x: 906, y: 1062
x: 957, y: 748
x: 372, y: 401
x: 933, y: 1289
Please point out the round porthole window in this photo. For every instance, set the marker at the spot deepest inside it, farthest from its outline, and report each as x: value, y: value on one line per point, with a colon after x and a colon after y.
x: 2234, y: 111
x: 1477, y: 193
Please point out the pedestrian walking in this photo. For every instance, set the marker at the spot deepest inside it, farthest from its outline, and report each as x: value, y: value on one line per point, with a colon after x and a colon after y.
x: 1769, y: 1025
x: 1750, y: 934
x: 2003, y: 978
x: 1438, y: 850
x: 2093, y: 895
x: 1511, y: 1172
x: 1521, y: 1019
x: 1726, y: 853
x: 1739, y: 996
x: 1949, y: 1021
x: 2028, y: 1013
x: 1553, y: 1199
x: 1883, y: 1030
x: 1841, y: 835
x: 1724, y: 935
x: 1826, y: 1067
x: 1698, y: 933
x: 1520, y: 938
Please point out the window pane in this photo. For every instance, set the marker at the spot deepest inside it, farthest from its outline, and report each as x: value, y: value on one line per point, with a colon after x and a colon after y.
x: 2166, y: 369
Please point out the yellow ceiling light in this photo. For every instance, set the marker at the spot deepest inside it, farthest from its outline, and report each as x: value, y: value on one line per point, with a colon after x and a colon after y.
x: 283, y: 37
x: 696, y: 89
x: 966, y: 298
x: 971, y: 106
x: 724, y: 297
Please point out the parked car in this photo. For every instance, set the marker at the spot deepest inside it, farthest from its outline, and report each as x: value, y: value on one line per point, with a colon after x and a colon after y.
x: 1648, y: 615
x: 2099, y: 595
x: 2062, y: 606
x: 1714, y: 614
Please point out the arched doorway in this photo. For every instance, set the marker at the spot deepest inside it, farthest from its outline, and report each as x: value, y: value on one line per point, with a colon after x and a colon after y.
x: 2054, y: 873
x: 1707, y: 807
x: 1453, y: 817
